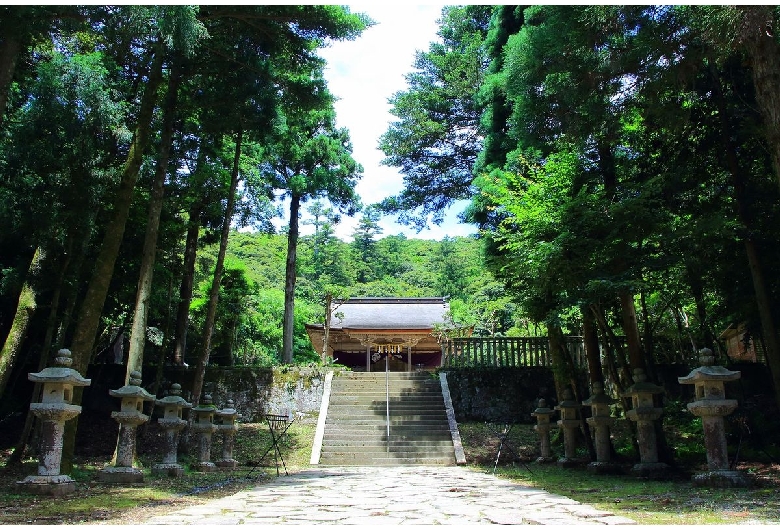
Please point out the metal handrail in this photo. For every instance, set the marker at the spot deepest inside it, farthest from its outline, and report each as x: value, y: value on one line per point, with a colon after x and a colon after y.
x: 387, y: 399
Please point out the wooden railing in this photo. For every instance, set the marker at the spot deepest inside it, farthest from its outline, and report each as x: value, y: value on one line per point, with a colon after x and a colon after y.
x: 534, y: 351
x: 505, y: 352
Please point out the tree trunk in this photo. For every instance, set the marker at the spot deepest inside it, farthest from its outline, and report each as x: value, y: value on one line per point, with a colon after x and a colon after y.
x: 590, y: 339
x: 621, y: 374
x: 757, y: 31
x: 54, y: 306
x: 97, y: 290
x: 86, y: 330
x: 135, y: 355
x: 9, y: 54
x: 760, y: 287
x: 24, y: 311
x: 187, y: 282
x: 560, y: 367
x: 211, y: 312
x: 636, y: 357
x: 288, y: 325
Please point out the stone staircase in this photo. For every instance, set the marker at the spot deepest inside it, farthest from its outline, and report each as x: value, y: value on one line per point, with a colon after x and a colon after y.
x: 355, y: 427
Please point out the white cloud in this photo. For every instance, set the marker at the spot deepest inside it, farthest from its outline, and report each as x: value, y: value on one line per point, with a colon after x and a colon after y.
x: 364, y: 74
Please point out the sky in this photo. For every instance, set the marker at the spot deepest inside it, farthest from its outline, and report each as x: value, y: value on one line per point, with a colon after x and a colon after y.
x: 363, y: 74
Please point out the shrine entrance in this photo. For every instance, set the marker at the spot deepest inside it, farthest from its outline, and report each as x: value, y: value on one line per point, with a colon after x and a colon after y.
x: 372, y: 334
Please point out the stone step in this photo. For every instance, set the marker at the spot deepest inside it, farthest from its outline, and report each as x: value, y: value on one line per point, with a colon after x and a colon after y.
x: 399, y: 420
x: 430, y: 450
x: 420, y: 433
x: 380, y: 401
x: 379, y: 441
x: 394, y: 392
x: 391, y: 375
x: 378, y: 459
x: 376, y: 399
x: 399, y: 413
x: 356, y: 424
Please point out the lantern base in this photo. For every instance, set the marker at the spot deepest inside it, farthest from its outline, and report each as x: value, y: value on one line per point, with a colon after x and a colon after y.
x: 53, y: 485
x: 604, y: 468
x: 172, y: 470
x: 121, y: 475
x: 568, y: 462
x: 723, y: 479
x: 205, y: 467
x: 227, y: 464
x: 653, y: 470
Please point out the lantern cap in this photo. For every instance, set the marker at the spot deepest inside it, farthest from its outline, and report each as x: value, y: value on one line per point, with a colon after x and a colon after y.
x: 60, y: 372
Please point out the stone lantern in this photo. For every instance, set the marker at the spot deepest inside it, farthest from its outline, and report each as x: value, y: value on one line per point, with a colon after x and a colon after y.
x: 204, y: 426
x: 645, y: 413
x: 711, y: 406
x: 54, y: 410
x: 129, y: 417
x: 227, y: 426
x: 172, y: 423
x: 543, y: 414
x: 600, y: 421
x: 569, y: 424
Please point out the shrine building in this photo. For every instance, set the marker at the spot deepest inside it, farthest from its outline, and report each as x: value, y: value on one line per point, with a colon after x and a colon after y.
x: 367, y: 333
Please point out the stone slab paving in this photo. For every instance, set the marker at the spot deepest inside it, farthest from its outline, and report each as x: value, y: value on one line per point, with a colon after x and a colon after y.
x: 391, y: 496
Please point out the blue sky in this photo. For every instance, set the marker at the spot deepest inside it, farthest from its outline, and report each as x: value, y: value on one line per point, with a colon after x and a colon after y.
x: 363, y: 74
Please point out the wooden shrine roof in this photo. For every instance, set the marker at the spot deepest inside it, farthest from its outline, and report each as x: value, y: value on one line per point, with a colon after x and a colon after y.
x: 388, y: 313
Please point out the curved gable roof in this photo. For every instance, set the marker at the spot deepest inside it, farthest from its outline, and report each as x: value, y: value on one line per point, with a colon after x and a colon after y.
x: 389, y: 313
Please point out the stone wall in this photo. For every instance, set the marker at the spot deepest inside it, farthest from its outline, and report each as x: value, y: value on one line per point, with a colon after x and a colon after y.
x: 499, y: 394
x: 255, y: 391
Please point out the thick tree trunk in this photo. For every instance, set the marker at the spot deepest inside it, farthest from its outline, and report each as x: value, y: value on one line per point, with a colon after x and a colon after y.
x: 211, y: 312
x: 97, y: 290
x: 86, y: 330
x: 24, y: 311
x: 135, y: 355
x: 288, y: 325
x: 760, y: 286
x: 757, y: 31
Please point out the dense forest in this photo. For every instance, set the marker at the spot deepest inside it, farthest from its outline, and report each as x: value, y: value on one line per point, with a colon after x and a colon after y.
x: 622, y: 165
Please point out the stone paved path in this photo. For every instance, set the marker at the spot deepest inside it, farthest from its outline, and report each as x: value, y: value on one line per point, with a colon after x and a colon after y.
x: 391, y: 495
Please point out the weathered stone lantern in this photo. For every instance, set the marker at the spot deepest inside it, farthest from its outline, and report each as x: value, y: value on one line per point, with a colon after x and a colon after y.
x: 129, y: 417
x: 204, y: 426
x: 601, y: 421
x: 711, y: 406
x: 569, y: 424
x: 54, y: 410
x: 172, y: 423
x: 543, y: 415
x: 227, y: 426
x: 645, y: 413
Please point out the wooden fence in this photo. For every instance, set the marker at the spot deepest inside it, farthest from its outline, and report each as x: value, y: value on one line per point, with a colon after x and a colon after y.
x: 505, y: 352
x: 534, y: 351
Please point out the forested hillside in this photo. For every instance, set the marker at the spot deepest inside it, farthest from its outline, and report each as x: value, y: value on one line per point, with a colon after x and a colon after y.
x: 252, y: 296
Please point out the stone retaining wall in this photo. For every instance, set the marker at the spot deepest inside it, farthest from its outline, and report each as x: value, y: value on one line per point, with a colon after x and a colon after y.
x: 499, y: 394
x: 254, y: 391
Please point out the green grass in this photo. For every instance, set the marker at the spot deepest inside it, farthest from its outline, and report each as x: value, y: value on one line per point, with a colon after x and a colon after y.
x: 675, y: 501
